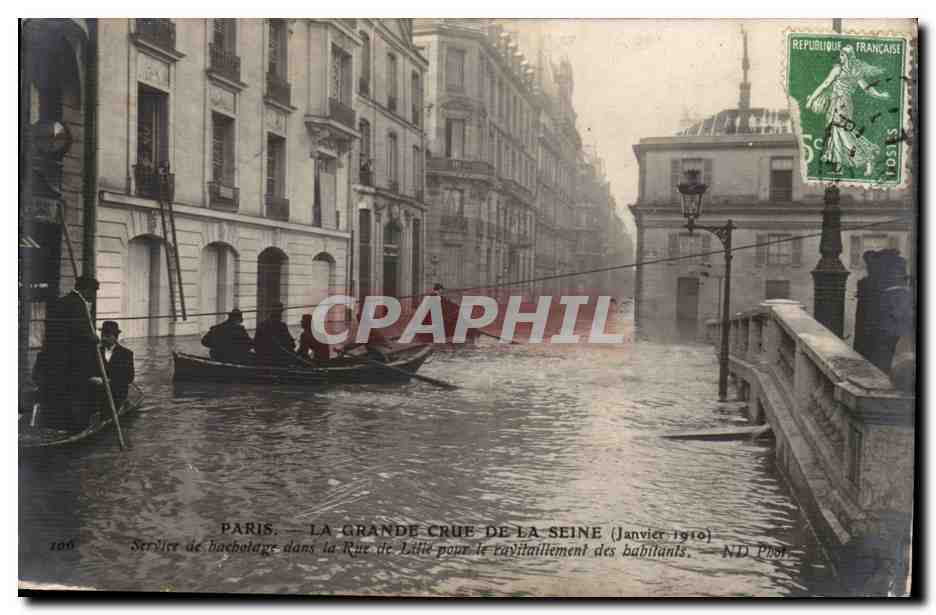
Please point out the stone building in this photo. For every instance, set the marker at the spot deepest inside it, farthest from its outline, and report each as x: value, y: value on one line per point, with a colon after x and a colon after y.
x: 481, y: 170
x: 748, y: 158
x: 253, y: 119
x: 388, y: 189
x: 56, y: 167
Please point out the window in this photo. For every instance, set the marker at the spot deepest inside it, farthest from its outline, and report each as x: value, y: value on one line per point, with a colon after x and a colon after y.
x: 276, y: 165
x: 416, y: 87
x: 277, y: 51
x: 365, y: 251
x: 779, y: 249
x: 417, y: 170
x: 340, y: 75
x: 491, y: 145
x: 392, y: 82
x: 455, y: 69
x: 454, y: 202
x: 224, y: 35
x: 781, y: 179
x: 152, y: 129
x: 222, y: 149
x: 392, y: 158
x: 364, y: 86
x: 317, y: 194
x: 365, y: 156
x: 777, y: 289
x: 417, y: 256
x: 454, y: 138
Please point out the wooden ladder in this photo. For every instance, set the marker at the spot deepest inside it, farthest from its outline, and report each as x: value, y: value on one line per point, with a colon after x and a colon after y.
x: 173, y: 267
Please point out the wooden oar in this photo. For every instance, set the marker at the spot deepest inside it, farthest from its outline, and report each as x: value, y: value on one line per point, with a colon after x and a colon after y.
x: 97, y: 351
x: 492, y: 336
x: 438, y: 383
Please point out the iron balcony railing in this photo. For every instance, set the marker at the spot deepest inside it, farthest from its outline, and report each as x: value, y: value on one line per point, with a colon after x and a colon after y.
x: 454, y: 223
x: 154, y: 183
x: 158, y: 32
x: 277, y: 207
x: 479, y: 167
x: 222, y: 196
x: 278, y: 89
x: 224, y: 62
x: 341, y: 112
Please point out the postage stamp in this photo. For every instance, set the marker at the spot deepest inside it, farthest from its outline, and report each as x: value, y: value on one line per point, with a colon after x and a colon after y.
x: 849, y: 97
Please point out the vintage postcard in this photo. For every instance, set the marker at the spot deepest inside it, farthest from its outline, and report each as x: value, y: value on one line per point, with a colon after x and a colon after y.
x: 468, y: 307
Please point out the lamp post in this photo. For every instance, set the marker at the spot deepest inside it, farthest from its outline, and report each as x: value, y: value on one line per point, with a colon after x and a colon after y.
x: 692, y: 192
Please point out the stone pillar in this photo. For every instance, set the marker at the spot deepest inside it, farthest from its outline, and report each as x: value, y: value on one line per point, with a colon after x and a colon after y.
x: 830, y: 275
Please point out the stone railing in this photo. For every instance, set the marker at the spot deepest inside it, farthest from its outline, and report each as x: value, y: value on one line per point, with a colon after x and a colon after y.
x: 844, y: 434
x: 455, y: 165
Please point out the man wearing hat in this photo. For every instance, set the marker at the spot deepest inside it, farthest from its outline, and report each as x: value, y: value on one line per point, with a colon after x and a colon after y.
x: 229, y: 341
x: 273, y: 342
x: 118, y: 362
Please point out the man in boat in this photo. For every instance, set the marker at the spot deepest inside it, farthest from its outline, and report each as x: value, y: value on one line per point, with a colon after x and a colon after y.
x: 66, y: 363
x: 377, y: 343
x: 309, y: 345
x: 228, y: 341
x: 118, y: 363
x: 273, y: 342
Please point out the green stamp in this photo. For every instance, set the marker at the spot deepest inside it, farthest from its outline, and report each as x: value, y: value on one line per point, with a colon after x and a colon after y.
x: 848, y: 98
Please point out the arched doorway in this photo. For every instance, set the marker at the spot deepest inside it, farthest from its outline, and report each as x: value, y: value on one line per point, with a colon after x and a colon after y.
x: 391, y: 259
x: 272, y: 280
x: 147, y: 288
x: 218, y: 283
x: 324, y: 282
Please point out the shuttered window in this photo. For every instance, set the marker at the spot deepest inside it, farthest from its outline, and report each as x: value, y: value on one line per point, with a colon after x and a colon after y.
x: 761, y: 249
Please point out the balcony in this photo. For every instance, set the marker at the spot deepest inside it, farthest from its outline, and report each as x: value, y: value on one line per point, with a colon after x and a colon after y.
x: 278, y: 89
x: 223, y: 197
x: 277, y: 207
x: 224, y: 63
x: 366, y: 174
x: 341, y: 112
x: 454, y: 165
x: 454, y: 223
x: 158, y: 33
x: 153, y: 183
x: 364, y: 86
x: 392, y: 103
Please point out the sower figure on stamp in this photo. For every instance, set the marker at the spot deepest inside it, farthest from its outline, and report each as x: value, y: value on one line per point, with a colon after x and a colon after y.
x: 66, y: 364
x: 845, y: 144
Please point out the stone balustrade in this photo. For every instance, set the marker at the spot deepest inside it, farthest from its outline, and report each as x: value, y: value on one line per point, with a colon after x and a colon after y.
x: 844, y: 435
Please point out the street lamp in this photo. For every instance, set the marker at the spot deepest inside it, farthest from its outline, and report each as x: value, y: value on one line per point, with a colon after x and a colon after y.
x: 691, y: 193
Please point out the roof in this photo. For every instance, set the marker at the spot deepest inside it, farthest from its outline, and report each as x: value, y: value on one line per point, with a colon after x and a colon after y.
x: 728, y: 122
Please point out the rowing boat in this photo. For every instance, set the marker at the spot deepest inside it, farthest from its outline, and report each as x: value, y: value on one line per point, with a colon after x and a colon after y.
x: 338, y: 371
x: 43, y: 437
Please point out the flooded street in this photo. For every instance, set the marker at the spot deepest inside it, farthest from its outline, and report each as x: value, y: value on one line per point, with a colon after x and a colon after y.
x: 536, y: 436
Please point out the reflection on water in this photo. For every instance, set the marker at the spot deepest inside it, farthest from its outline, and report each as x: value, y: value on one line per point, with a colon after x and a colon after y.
x: 536, y: 436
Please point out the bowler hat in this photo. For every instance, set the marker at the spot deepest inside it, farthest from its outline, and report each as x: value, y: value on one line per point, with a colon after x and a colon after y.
x: 110, y: 326
x: 235, y: 314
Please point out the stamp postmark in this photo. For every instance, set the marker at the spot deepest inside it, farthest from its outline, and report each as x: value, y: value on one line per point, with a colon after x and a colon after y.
x: 849, y: 97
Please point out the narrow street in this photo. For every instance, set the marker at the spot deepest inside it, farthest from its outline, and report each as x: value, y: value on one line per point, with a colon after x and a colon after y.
x: 536, y: 436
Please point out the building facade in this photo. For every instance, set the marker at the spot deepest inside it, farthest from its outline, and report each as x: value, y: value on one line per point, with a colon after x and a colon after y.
x: 749, y: 159
x: 245, y: 128
x: 389, y: 165
x: 56, y: 168
x: 481, y: 123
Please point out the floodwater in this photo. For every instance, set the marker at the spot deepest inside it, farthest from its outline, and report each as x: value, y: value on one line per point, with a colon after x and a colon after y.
x: 537, y: 436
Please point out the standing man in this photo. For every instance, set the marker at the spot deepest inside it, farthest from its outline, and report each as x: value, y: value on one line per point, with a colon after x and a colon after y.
x: 273, y: 342
x: 66, y: 363
x: 118, y: 362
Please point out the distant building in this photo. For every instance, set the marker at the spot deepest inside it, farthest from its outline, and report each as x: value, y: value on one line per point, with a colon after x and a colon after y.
x: 749, y: 159
x: 481, y: 123
x: 389, y: 189
x: 253, y: 119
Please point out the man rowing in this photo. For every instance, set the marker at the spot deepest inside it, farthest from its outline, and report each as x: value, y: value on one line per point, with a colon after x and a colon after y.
x: 273, y: 342
x: 228, y: 341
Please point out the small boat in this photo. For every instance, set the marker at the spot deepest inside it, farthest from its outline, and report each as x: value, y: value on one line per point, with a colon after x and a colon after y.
x: 345, y: 370
x: 43, y: 437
